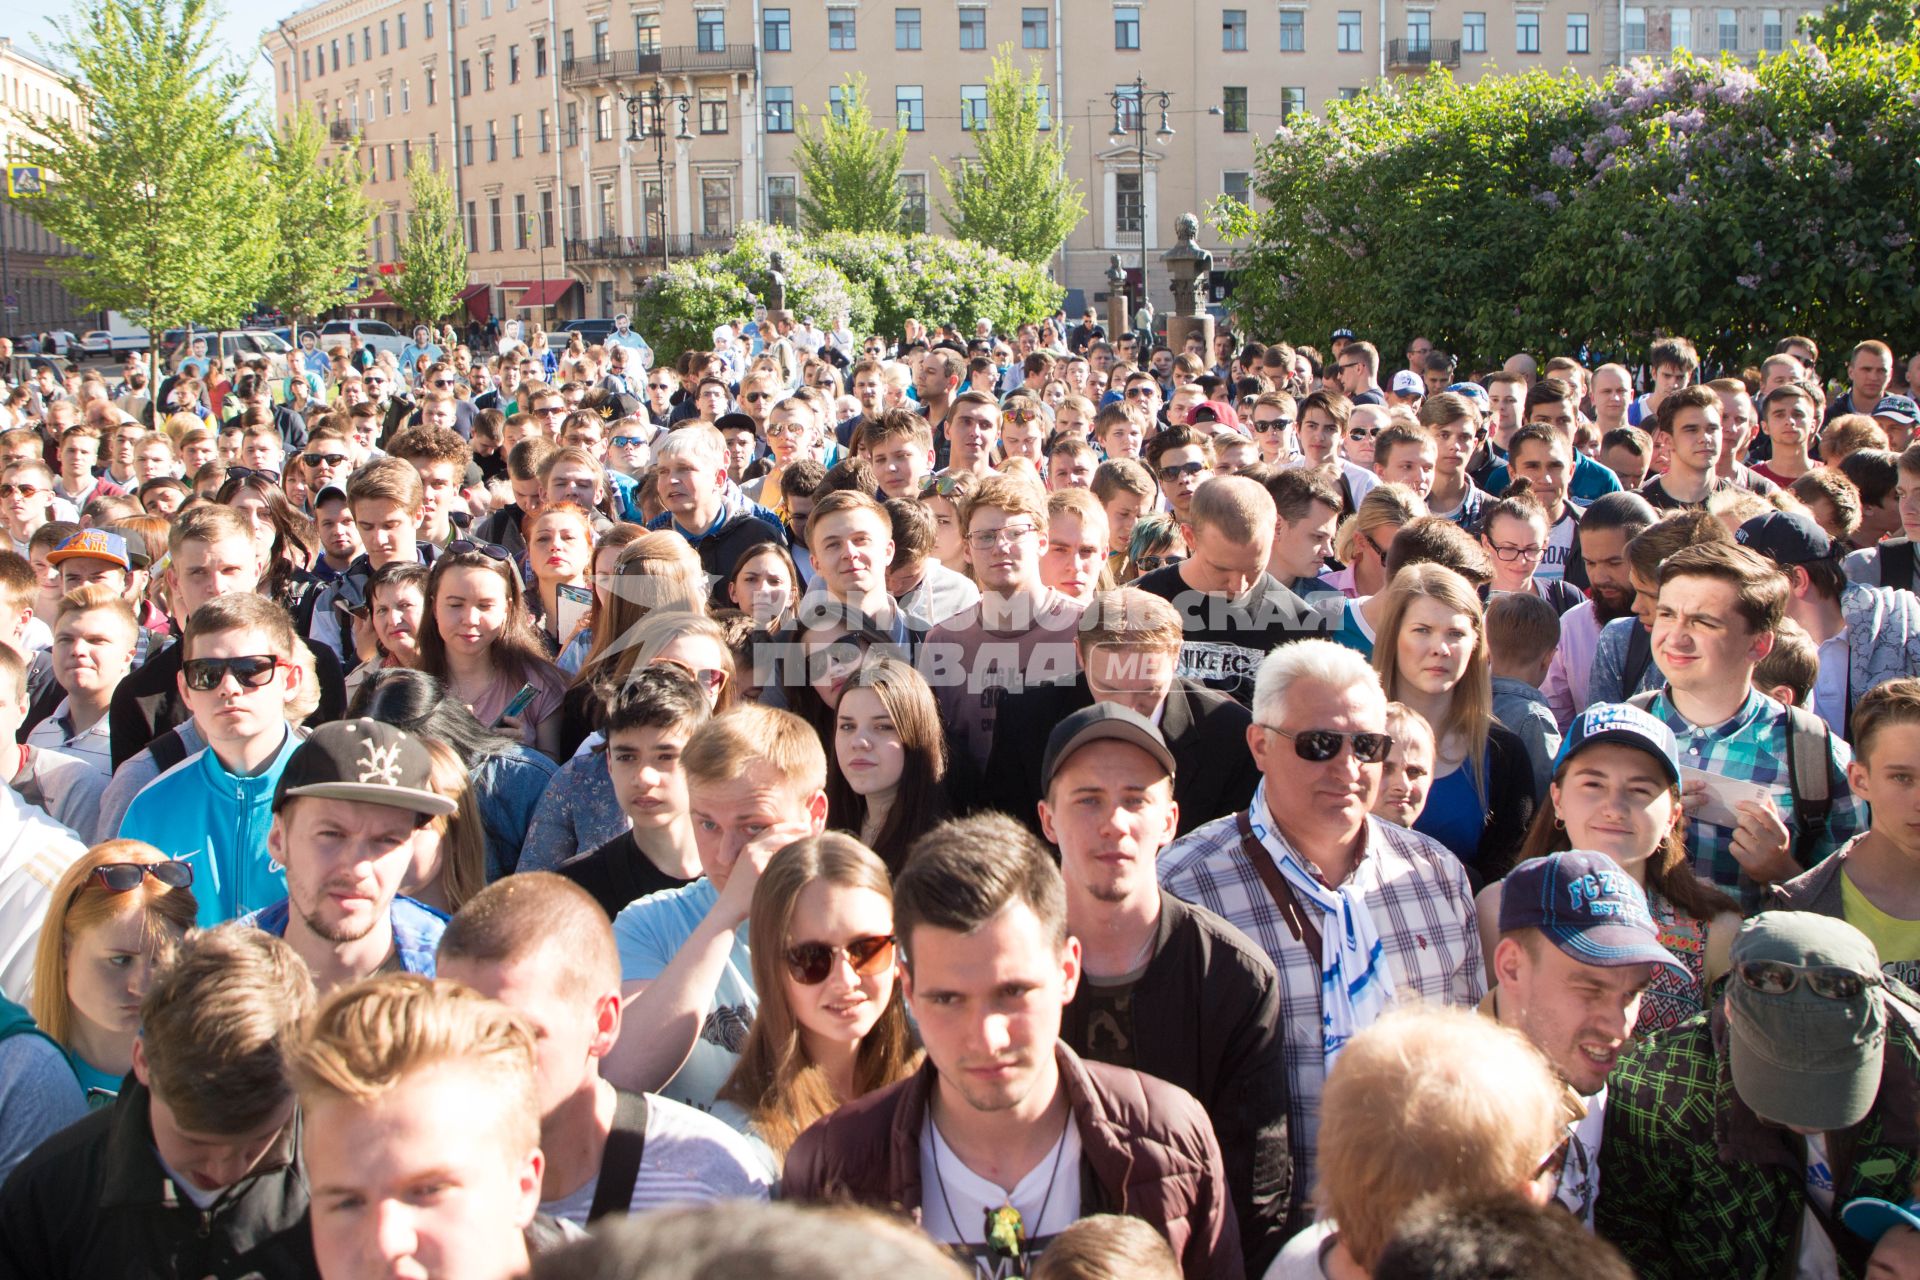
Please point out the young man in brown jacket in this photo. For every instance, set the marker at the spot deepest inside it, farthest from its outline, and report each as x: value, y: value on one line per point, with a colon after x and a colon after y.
x: 1005, y: 1136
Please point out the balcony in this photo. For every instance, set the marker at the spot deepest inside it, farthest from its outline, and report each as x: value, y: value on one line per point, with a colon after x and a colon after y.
x: 632, y: 64
x: 339, y: 131
x: 628, y: 248
x: 1418, y: 55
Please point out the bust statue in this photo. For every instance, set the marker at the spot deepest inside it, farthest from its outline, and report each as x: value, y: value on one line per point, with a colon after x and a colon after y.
x: 776, y: 281
x: 1187, y: 266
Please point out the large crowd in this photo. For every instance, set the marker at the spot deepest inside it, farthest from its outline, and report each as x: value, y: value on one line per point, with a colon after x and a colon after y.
x: 1035, y: 804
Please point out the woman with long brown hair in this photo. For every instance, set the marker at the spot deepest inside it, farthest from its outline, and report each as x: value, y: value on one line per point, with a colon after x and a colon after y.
x: 832, y: 1024
x: 478, y: 636
x: 654, y: 571
x: 1616, y: 790
x: 887, y: 759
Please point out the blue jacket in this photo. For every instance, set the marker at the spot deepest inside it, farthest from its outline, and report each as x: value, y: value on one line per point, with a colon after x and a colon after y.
x: 1589, y: 481
x: 416, y: 930
x: 218, y: 821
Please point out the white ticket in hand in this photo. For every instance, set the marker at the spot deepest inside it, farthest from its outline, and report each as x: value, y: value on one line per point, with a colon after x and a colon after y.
x: 1723, y: 796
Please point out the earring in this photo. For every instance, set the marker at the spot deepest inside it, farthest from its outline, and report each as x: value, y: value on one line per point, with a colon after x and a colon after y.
x: 1559, y: 824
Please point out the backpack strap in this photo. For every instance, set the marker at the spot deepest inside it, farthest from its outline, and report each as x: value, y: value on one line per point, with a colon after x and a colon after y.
x: 1807, y: 774
x: 1298, y: 922
x: 168, y: 750
x: 620, y: 1162
x: 1639, y: 655
x: 1644, y: 701
x: 1897, y: 564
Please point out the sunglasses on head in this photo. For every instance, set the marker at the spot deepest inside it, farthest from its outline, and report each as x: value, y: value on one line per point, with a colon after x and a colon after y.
x: 125, y: 877
x: 203, y: 675
x: 253, y: 473
x: 1317, y: 746
x: 1831, y: 982
x: 466, y: 546
x: 810, y: 962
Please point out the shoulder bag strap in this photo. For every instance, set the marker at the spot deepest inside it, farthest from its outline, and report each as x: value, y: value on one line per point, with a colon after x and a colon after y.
x: 1299, y: 923
x: 620, y: 1162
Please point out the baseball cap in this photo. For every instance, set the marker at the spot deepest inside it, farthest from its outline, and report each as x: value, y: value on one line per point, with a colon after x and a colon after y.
x: 368, y: 761
x: 1627, y: 725
x: 735, y: 422
x: 1870, y: 1218
x: 329, y: 491
x: 1786, y: 538
x: 1408, y: 383
x: 1899, y: 408
x: 1800, y: 1058
x: 1587, y: 906
x: 1341, y: 333
x: 94, y: 544
x: 1102, y: 721
x: 620, y: 405
x: 1472, y: 391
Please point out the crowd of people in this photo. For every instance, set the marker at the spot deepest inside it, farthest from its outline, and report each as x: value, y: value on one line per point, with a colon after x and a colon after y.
x: 1034, y: 803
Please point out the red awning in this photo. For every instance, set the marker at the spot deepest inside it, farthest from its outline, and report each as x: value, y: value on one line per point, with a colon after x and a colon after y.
x: 479, y: 300
x: 378, y: 298
x: 541, y: 293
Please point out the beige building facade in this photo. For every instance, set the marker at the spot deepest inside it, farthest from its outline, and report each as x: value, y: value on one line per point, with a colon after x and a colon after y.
x: 591, y: 141
x: 32, y: 299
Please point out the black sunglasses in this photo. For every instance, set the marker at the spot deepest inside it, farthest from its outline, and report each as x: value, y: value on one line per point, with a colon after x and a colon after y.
x: 323, y: 459
x: 250, y: 473
x: 1317, y: 746
x: 1833, y: 982
x: 464, y: 546
x: 1147, y: 564
x: 1178, y: 469
x: 810, y: 962
x: 125, y: 877
x: 203, y: 675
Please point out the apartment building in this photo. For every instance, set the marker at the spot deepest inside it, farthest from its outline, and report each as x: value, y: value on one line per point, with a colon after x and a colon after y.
x: 591, y: 141
x: 32, y: 299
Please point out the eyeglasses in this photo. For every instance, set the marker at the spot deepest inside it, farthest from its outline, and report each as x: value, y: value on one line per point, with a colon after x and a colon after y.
x: 809, y: 963
x: 442, y: 383
x: 1362, y: 433
x: 712, y: 679
x: 204, y: 675
x: 467, y: 546
x: 323, y: 459
x: 125, y: 877
x: 1832, y: 982
x: 23, y: 490
x: 627, y: 442
x: 1268, y: 426
x: 1173, y: 471
x: 1351, y: 364
x: 1005, y: 536
x: 1317, y: 746
x: 253, y: 473
x: 1147, y: 564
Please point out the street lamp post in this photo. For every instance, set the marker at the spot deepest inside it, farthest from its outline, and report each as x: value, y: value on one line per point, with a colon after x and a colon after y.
x: 646, y: 119
x: 1130, y: 103
x: 536, y: 229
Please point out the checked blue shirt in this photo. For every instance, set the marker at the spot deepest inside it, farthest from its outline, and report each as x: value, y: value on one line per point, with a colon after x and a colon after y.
x: 1752, y: 747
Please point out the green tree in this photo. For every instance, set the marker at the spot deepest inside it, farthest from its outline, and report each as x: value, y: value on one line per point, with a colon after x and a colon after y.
x: 1890, y: 20
x: 321, y: 221
x: 1015, y: 194
x: 152, y: 178
x: 849, y: 167
x: 433, y: 257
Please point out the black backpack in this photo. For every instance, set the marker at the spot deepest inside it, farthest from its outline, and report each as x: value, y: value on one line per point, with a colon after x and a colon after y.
x: 1897, y: 564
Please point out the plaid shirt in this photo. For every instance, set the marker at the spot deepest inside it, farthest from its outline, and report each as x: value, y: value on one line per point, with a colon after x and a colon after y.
x: 1752, y: 746
x: 1421, y: 904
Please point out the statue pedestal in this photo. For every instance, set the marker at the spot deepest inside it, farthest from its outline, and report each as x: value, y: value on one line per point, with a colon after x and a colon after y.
x: 1180, y: 328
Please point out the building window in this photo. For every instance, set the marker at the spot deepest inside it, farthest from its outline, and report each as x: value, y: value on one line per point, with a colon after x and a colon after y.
x: 710, y: 30
x: 1293, y: 101
x: 779, y: 108
x: 776, y: 30
x: 390, y: 168
x: 350, y: 50
x: 1526, y: 31
x: 336, y: 54
x: 913, y: 203
x: 573, y: 124
x: 1351, y: 40
x: 973, y: 106
x: 486, y: 72
x: 366, y: 44
x: 473, y: 227
x: 566, y: 47
x: 1419, y: 30
x: 606, y: 223
x: 400, y: 30
x: 1233, y: 108
x: 426, y: 18
x: 603, y: 118
x: 545, y: 144
x: 1129, y: 206
x: 1033, y: 29
x: 1771, y: 32
x: 460, y: 14
x: 1473, y: 33
x: 466, y: 144
x: 716, y: 206
x: 493, y: 224
x: 1577, y: 33
x: 1293, y: 31
x: 522, y: 233
x: 539, y: 57
x: 1682, y: 20
x: 646, y: 32
x: 430, y: 87
x: 906, y: 28
x: 1126, y: 26
x: 383, y: 37
x: 386, y: 99
x: 1234, y: 186
x: 783, y: 201
x: 513, y: 64
x: 602, y: 40
x: 1126, y: 112
x: 466, y: 78
x: 1043, y: 103
x: 836, y: 104
x: 910, y: 107
x: 306, y: 64
x: 406, y: 96
x: 516, y: 137
x: 1233, y: 30
x: 546, y: 219
x: 713, y: 111
x: 1350, y: 93
x: 973, y: 28
x: 1729, y: 23
x: 840, y: 31
x: 574, y: 218
x: 653, y: 210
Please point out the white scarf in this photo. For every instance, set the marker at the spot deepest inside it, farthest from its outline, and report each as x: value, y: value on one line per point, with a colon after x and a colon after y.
x: 1356, y: 986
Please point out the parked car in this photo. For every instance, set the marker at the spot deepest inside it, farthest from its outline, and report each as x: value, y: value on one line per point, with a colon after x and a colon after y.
x: 377, y: 334
x: 590, y: 331
x: 233, y: 345
x: 100, y: 343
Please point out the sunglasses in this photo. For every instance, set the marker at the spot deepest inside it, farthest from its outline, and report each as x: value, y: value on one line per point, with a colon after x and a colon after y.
x: 810, y: 962
x: 1178, y: 469
x: 937, y: 487
x: 1022, y: 413
x: 1267, y: 426
x: 756, y: 396
x: 203, y: 675
x: 626, y: 442
x: 551, y: 409
x: 1139, y: 393
x: 1317, y: 746
x: 23, y: 490
x: 1832, y: 982
x: 442, y: 383
x: 1362, y: 433
x: 1148, y: 564
x: 466, y: 546
x: 253, y: 473
x: 712, y: 679
x: 125, y: 877
x: 323, y: 459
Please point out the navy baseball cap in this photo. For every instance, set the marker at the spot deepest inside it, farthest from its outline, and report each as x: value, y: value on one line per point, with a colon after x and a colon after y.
x: 1586, y: 906
x: 1102, y: 720
x: 1627, y: 725
x: 1899, y: 408
x: 1786, y: 538
x: 1343, y: 333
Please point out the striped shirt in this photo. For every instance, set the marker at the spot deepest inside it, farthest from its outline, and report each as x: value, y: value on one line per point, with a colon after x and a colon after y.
x: 1421, y: 905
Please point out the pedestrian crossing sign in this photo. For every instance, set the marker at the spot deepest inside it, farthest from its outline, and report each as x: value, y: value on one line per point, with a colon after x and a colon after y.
x: 25, y: 180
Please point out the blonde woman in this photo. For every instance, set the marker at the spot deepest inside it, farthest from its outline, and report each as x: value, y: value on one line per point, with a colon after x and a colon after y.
x: 1431, y: 654
x: 653, y: 571
x: 449, y: 853
x: 1363, y: 538
x: 116, y: 913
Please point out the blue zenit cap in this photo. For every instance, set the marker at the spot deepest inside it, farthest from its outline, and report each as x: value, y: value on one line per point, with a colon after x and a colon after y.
x: 1586, y: 906
x: 1627, y: 725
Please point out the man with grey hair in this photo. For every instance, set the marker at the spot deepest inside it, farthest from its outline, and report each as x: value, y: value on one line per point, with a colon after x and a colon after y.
x: 703, y: 506
x: 1356, y: 914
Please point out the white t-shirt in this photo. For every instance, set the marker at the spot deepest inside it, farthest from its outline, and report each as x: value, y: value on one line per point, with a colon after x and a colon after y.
x: 955, y: 1201
x: 1560, y: 548
x: 1579, y: 1188
x: 1817, y: 1258
x: 690, y: 1158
